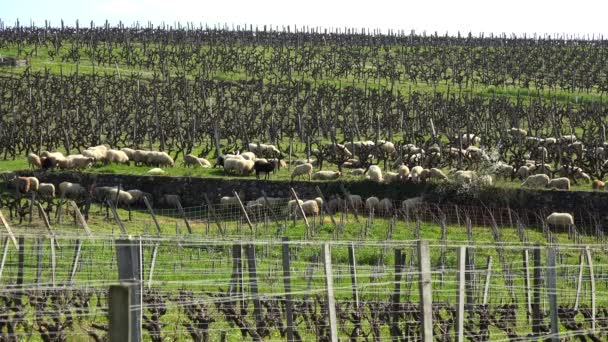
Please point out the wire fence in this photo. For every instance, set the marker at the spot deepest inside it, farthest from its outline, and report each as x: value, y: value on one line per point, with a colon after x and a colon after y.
x: 241, y: 289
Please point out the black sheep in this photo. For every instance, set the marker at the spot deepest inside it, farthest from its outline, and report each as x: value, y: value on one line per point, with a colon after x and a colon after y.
x: 261, y: 166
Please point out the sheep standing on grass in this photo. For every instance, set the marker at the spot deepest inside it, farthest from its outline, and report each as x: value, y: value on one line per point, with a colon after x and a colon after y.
x: 73, y: 191
x: 326, y: 175
x: 34, y: 161
x: 536, y: 181
x: 562, y: 183
x: 371, y: 203
x: 391, y: 177
x: 385, y: 206
x: 560, y: 220
x: 375, y: 173
x: 598, y: 185
x: 302, y: 170
x: 116, y: 156
x: 403, y: 172
x: 416, y: 174
x: 46, y: 190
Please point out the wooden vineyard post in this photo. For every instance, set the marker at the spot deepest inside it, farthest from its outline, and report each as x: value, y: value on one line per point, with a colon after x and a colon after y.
x: 182, y: 213
x: 269, y: 206
x: 349, y: 201
x: 116, y: 218
x: 9, y: 230
x: 426, y: 291
x: 325, y: 207
x: 579, y: 283
x: 81, y: 219
x: 295, y: 196
x: 244, y: 212
x: 213, y: 213
x: 75, y: 260
x: 470, y: 282
x: 287, y: 286
x: 329, y: 287
x: 151, y: 211
x: 462, y: 251
x: 552, y: 292
x: 152, y: 264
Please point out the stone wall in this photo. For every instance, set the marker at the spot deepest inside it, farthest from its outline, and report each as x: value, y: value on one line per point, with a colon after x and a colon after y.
x: 191, y: 190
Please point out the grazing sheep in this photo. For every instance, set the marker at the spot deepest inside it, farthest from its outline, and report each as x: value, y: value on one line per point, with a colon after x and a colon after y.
x: 170, y: 200
x: 129, y: 151
x: 584, y: 176
x: 310, y: 208
x: 391, y: 177
x: 560, y: 220
x: 248, y: 156
x: 138, y: 196
x: 371, y: 203
x: 356, y: 172
x: 375, y: 173
x: 21, y: 184
x: 598, y: 185
x: 261, y: 166
x: 326, y: 175
x: 34, y: 183
x: 485, y: 180
x: 292, y: 206
x: 78, y: 161
x: 119, y: 196
x: 72, y: 191
x: 98, y: 153
x: 518, y: 133
x: 403, y: 172
x: 470, y: 139
x: 523, y: 172
x: 302, y: 170
x: 385, y: 206
x: 192, y: 160
x: 48, y: 163
x: 410, y: 203
x: 562, y: 183
x: 34, y: 161
x: 464, y: 177
x: 356, y: 201
x: 435, y: 173
x: 46, y: 190
x: 159, y: 159
x: 503, y: 170
x: 335, y: 204
x: 139, y: 157
x: 416, y: 174
x: 156, y: 171
x: 536, y: 181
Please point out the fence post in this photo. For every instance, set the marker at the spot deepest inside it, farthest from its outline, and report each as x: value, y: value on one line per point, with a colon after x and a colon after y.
x: 352, y: 265
x: 129, y: 266
x: 396, y: 294
x: 151, y: 211
x: 4, y: 255
x: 119, y: 314
x: 486, y: 287
x: 74, y: 267
x: 536, y: 314
x: 253, y: 285
x: 329, y: 286
x: 426, y: 291
x: 552, y: 290
x: 579, y: 283
x: 287, y: 286
x: 592, y: 280
x: 8, y: 230
x: 462, y: 251
x: 526, y: 256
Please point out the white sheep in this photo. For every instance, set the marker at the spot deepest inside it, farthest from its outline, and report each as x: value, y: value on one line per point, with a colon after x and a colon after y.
x: 139, y: 157
x: 73, y: 191
x: 560, y: 220
x: 371, y: 203
x: 356, y: 200
x: 385, y: 206
x: 326, y: 175
x: 129, y: 151
x: 248, y: 156
x: 391, y: 177
x: 464, y: 177
x: 192, y: 160
x: 138, y: 196
x: 356, y: 172
x: 416, y: 174
x: 403, y: 172
x: 34, y: 161
x: 159, y: 159
x: 470, y: 139
x: 116, y: 156
x: 34, y: 183
x: 562, y: 183
x: 79, y: 161
x: 504, y: 170
x: 46, y: 190
x: 536, y: 181
x: 411, y: 203
x: 523, y: 172
x: 98, y: 153
x: 435, y: 173
x: 292, y: 206
x: 485, y: 180
x: 302, y: 170
x: 310, y: 208
x: 375, y: 173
